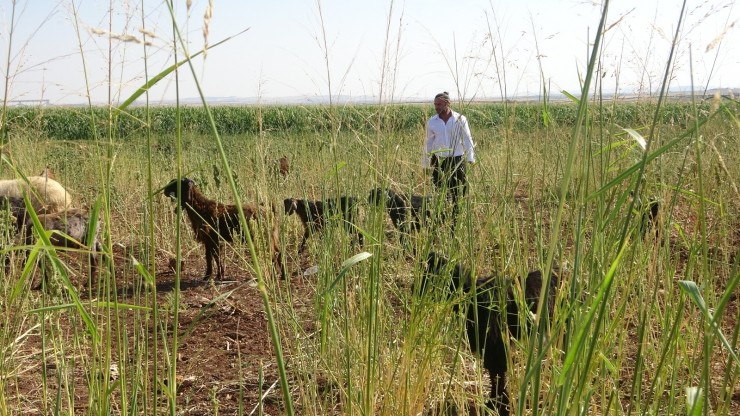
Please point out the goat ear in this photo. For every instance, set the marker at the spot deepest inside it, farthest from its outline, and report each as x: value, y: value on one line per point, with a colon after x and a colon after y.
x: 290, y: 204
x: 437, y: 262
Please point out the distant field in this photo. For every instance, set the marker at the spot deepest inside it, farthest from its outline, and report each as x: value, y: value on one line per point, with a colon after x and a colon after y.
x: 76, y: 123
x: 356, y: 339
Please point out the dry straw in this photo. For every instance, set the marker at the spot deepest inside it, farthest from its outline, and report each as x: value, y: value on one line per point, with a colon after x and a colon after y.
x: 207, y: 16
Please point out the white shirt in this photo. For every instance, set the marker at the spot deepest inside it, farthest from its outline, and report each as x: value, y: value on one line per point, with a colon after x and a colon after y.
x: 449, y: 139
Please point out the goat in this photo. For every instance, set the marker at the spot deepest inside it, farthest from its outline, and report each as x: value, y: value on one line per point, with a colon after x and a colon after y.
x: 70, y: 228
x: 213, y: 223
x: 313, y: 215
x: 406, y: 214
x: 48, y: 173
x: 648, y: 210
x: 649, y: 218
x: 16, y: 208
x: 486, y: 316
x: 284, y: 166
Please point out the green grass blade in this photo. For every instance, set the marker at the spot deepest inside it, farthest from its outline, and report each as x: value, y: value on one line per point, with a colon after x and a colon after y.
x: 148, y: 278
x: 345, y: 267
x: 694, y: 401
x: 692, y: 290
x: 627, y: 173
x: 72, y: 291
x: 585, y: 324
x: 155, y: 79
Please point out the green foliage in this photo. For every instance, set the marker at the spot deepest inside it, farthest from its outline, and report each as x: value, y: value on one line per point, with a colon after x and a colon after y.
x: 72, y: 123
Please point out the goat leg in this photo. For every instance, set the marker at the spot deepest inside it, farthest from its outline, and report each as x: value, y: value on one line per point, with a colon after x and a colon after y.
x: 499, y: 398
x: 219, y: 264
x: 209, y: 261
x: 303, y: 242
x: 360, y: 238
x: 277, y: 262
x: 94, y: 263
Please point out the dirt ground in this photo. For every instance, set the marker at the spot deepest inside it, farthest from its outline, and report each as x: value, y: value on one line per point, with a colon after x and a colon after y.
x: 216, y: 338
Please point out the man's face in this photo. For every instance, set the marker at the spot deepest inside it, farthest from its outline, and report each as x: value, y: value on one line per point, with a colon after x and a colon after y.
x: 441, y: 106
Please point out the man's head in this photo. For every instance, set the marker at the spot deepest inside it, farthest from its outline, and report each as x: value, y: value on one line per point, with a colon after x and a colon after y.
x: 442, y: 103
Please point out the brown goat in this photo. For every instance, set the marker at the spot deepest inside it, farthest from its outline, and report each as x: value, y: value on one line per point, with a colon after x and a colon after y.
x: 284, y: 166
x: 214, y: 222
x: 48, y: 173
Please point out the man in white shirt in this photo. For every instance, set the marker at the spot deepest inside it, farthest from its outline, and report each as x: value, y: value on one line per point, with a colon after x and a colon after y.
x: 448, y: 149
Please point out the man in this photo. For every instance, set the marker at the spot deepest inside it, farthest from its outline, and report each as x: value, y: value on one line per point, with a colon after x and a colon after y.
x: 449, y: 148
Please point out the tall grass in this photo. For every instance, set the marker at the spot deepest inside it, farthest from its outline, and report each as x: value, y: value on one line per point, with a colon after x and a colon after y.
x: 641, y: 325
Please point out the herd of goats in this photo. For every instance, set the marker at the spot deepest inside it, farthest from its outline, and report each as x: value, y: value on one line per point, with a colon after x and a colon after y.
x: 493, y: 310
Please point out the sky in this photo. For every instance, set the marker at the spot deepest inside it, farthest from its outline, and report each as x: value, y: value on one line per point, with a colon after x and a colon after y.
x: 75, y: 52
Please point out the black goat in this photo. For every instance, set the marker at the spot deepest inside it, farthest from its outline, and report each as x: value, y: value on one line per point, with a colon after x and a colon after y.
x: 407, y: 214
x: 488, y: 310
x: 649, y: 218
x: 15, y: 207
x: 648, y: 209
x: 313, y: 215
x: 214, y: 222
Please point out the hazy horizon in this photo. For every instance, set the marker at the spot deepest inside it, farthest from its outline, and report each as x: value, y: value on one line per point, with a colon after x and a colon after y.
x: 71, y: 52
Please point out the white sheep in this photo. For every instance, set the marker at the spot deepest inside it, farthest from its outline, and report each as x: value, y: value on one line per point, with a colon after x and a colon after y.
x: 46, y: 195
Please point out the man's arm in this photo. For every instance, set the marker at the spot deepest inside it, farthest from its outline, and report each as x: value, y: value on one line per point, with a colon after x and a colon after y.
x: 467, y: 140
x: 426, y: 160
